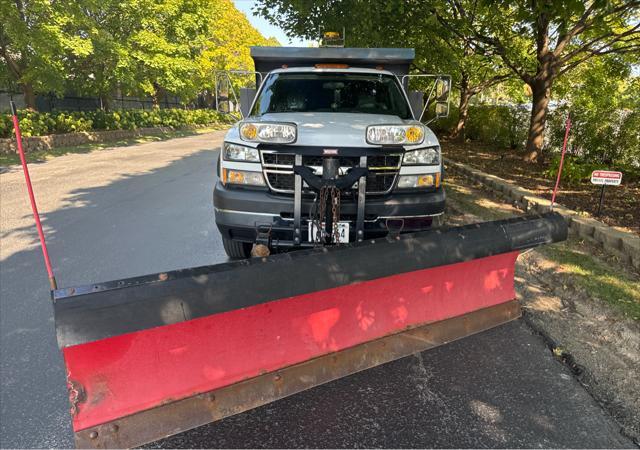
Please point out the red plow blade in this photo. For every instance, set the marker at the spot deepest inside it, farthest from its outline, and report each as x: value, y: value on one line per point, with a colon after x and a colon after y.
x: 152, y: 356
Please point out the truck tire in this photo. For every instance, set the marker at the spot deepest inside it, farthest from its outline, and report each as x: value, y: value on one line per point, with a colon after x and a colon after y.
x: 236, y: 249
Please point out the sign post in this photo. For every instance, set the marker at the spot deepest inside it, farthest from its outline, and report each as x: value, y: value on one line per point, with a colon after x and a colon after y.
x: 604, y: 178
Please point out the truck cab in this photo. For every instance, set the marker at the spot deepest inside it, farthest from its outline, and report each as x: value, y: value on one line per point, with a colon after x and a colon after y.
x: 330, y: 150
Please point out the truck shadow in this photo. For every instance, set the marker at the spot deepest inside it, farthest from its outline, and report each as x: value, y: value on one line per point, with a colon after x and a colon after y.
x: 137, y: 224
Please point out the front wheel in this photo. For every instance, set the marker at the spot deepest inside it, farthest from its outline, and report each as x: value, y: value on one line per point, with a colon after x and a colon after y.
x: 236, y: 249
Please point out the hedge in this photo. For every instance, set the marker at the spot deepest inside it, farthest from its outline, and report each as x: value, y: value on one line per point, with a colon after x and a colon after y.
x: 501, y: 125
x: 611, y: 138
x: 39, y: 124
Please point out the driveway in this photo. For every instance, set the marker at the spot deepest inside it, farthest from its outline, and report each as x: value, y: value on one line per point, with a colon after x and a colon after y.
x: 142, y: 209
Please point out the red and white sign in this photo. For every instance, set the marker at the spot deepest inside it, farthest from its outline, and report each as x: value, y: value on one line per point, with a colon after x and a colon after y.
x: 608, y: 177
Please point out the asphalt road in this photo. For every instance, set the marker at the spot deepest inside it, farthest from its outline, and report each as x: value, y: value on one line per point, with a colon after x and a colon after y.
x: 147, y: 208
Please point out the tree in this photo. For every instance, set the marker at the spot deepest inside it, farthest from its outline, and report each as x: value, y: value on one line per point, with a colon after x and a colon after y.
x: 397, y: 23
x: 229, y: 50
x: 109, y: 25
x: 476, y: 70
x: 34, y: 37
x: 166, y: 47
x: 541, y: 40
x: 603, y: 98
x: 135, y: 47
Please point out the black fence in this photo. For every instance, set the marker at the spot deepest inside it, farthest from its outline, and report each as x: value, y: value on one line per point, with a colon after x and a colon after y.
x: 48, y: 103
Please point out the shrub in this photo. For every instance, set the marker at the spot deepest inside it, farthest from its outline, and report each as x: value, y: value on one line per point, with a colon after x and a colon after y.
x: 39, y: 124
x: 574, y: 171
x: 504, y: 126
x: 443, y: 126
x: 606, y: 137
x: 598, y: 140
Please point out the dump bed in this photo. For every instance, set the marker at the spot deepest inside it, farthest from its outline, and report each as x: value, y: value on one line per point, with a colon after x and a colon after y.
x: 396, y: 60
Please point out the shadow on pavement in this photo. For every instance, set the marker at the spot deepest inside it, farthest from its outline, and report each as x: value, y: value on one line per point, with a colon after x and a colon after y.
x: 157, y: 221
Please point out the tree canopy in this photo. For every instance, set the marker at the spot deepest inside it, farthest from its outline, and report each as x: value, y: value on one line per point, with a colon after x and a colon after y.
x: 481, y: 42
x: 132, y: 47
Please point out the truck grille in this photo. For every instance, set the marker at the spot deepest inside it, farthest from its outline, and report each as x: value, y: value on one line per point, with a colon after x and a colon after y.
x: 278, y: 170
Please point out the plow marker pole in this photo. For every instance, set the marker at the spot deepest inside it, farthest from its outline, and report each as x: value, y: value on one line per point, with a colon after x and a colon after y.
x: 564, y: 151
x: 32, y: 198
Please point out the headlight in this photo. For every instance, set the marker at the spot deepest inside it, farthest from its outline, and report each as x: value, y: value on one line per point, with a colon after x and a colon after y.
x: 395, y: 134
x: 234, y: 152
x: 275, y: 133
x: 419, y: 181
x: 424, y: 156
x: 242, y: 177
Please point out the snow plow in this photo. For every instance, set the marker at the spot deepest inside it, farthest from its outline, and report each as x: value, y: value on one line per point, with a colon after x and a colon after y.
x: 152, y: 356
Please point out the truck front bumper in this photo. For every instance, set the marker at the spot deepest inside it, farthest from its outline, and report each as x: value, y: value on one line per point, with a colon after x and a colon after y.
x: 239, y: 212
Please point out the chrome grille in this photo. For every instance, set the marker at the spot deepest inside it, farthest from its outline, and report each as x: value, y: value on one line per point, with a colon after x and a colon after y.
x: 278, y: 170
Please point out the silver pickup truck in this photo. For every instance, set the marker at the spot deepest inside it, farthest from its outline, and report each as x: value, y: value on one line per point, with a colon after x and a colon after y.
x: 331, y: 149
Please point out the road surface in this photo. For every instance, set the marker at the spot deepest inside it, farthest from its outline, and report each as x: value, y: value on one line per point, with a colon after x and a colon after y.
x: 147, y: 208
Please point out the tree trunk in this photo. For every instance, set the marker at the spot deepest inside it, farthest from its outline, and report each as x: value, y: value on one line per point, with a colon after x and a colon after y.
x: 158, y: 94
x: 541, y: 92
x: 105, y: 102
x: 29, y: 96
x: 463, y: 110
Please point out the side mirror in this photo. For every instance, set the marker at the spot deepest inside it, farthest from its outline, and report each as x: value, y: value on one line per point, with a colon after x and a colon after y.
x: 246, y: 100
x: 442, y: 109
x: 442, y: 89
x: 438, y: 92
x: 231, y: 95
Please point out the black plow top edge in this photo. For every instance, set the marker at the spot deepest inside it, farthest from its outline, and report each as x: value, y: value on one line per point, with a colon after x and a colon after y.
x: 92, y: 312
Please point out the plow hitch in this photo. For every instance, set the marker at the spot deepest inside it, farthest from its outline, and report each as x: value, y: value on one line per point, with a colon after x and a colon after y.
x: 329, y: 187
x: 153, y: 356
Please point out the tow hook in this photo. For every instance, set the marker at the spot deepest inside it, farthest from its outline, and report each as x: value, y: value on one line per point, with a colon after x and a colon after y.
x: 261, y: 247
x: 394, y: 227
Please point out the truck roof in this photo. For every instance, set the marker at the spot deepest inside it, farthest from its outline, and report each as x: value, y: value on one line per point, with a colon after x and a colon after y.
x: 395, y: 60
x: 340, y: 70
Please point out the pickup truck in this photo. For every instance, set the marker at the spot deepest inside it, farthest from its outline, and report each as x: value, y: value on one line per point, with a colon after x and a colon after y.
x: 341, y: 118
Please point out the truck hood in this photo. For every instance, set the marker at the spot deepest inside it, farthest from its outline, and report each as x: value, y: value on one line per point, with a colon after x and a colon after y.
x: 332, y: 129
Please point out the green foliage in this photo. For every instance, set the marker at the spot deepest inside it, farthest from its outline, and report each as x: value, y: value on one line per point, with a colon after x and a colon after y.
x: 574, y: 170
x: 503, y: 126
x: 34, y: 37
x: 39, y: 124
x: 444, y: 125
x: 227, y: 47
x: 166, y: 46
x: 601, y: 136
x: 394, y: 23
x: 129, y: 47
x: 604, y: 102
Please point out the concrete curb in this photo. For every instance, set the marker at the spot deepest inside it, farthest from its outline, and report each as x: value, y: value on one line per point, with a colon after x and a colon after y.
x: 624, y: 245
x: 35, y: 143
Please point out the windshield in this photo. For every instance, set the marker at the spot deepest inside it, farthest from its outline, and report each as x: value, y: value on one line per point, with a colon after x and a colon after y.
x: 332, y: 92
